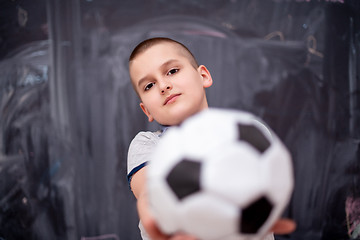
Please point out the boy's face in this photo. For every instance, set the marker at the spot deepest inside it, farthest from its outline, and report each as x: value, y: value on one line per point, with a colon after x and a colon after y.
x: 170, y: 88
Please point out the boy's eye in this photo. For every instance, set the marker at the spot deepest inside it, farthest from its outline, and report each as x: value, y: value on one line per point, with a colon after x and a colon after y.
x: 148, y: 86
x: 172, y: 71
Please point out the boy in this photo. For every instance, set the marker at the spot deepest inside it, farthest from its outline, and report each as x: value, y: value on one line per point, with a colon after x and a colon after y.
x: 171, y: 86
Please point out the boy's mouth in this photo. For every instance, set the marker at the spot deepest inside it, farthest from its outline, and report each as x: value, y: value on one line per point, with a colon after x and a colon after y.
x: 171, y: 98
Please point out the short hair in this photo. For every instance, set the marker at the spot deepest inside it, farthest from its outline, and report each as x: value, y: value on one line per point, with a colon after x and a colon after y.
x: 148, y: 43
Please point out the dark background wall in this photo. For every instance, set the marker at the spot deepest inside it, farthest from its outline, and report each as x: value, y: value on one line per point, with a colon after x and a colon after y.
x: 68, y: 112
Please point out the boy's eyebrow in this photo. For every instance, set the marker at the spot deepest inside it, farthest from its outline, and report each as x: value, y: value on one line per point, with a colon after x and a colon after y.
x: 162, y: 66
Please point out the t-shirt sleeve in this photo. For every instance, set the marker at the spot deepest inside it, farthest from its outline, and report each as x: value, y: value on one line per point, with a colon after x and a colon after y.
x: 139, y: 152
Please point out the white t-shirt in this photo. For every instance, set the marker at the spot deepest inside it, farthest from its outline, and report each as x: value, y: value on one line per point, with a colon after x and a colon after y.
x: 140, y: 150
x: 138, y: 155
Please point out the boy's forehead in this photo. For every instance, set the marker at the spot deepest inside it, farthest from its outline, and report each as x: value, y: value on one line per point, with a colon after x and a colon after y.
x: 161, y: 52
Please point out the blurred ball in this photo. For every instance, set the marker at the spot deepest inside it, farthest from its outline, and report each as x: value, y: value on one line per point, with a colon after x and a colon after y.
x: 222, y: 174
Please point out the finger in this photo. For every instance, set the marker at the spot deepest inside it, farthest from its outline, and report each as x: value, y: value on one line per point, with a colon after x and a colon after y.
x: 182, y: 237
x: 284, y: 226
x: 154, y: 232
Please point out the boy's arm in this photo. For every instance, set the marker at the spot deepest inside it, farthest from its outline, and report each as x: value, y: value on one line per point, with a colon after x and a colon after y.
x: 138, y: 187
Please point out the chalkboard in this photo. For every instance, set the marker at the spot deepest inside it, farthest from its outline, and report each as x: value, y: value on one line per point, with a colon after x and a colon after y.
x: 68, y: 111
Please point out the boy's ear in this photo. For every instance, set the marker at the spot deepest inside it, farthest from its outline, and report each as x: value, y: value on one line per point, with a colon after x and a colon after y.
x: 207, y: 79
x: 147, y: 113
x: 284, y: 226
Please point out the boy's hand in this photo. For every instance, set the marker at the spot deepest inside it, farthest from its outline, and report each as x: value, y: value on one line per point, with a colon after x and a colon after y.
x: 148, y: 222
x: 150, y: 225
x: 155, y: 234
x: 152, y: 230
x: 182, y: 237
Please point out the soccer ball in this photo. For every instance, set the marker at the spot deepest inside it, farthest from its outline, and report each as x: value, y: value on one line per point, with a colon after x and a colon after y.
x: 222, y: 174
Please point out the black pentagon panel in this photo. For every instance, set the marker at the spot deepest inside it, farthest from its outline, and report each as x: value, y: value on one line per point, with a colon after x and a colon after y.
x: 253, y: 136
x: 184, y: 178
x: 255, y: 215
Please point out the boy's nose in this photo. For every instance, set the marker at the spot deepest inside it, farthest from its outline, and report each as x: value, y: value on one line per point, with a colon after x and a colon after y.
x: 166, y: 86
